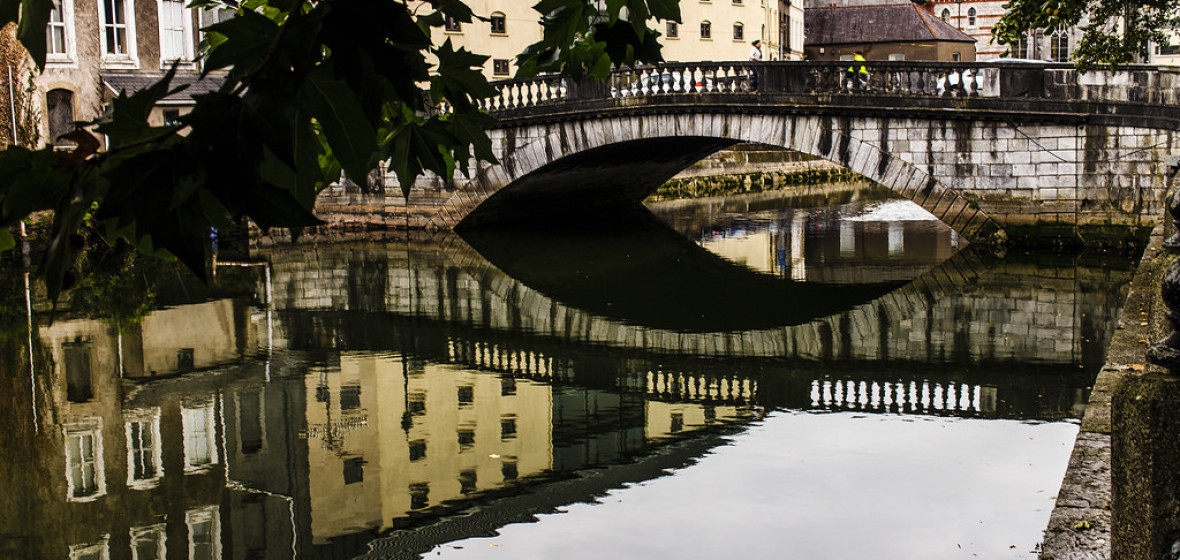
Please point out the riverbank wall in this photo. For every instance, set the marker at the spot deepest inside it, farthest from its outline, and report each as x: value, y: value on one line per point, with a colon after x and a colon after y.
x: 1120, y: 497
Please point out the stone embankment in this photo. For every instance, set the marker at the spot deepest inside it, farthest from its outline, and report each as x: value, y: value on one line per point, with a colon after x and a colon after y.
x: 749, y: 168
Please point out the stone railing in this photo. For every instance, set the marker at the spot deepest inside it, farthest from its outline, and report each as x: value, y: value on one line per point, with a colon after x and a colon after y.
x: 1144, y: 85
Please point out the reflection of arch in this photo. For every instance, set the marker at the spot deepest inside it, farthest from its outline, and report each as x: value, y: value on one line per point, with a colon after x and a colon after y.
x: 554, y: 165
x: 59, y: 111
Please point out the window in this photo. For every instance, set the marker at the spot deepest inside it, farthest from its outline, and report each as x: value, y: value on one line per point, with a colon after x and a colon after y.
x: 200, y: 449
x: 354, y: 470
x: 171, y: 117
x: 96, y: 551
x: 896, y: 56
x: 499, y: 24
x: 466, y: 395
x: 706, y: 30
x: 956, y: 57
x: 500, y: 67
x: 143, y: 452
x: 971, y: 17
x: 250, y: 421
x: 417, y: 450
x: 419, y: 495
x: 1020, y: 49
x: 84, y: 473
x: 1059, y: 45
x: 946, y: 15
x: 175, y: 32
x: 204, y: 533
x: 148, y: 543
x: 59, y: 41
x: 350, y: 397
x: 673, y: 30
x: 118, y: 31
x: 508, y: 470
x: 466, y: 439
x: 467, y: 482
x: 508, y: 427
x: 76, y: 354
x: 185, y: 359
x: 739, y: 31
x: 507, y: 386
x: 453, y: 25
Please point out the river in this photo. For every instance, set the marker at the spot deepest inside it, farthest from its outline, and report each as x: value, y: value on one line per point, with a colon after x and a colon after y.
x: 830, y: 373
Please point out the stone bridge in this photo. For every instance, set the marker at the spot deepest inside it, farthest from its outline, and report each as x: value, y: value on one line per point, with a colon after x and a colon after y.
x: 1023, y: 148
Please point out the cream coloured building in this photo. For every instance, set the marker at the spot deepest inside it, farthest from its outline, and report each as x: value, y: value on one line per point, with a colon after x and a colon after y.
x: 717, y: 30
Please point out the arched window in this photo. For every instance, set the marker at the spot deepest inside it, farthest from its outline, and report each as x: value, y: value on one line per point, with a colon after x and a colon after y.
x: 971, y: 17
x: 1059, y: 45
x: 946, y: 15
x: 59, y: 110
x: 739, y: 31
x: 706, y: 30
x: 499, y: 23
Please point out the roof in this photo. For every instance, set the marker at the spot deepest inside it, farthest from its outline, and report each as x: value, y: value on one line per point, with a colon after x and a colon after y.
x: 131, y: 82
x: 842, y: 25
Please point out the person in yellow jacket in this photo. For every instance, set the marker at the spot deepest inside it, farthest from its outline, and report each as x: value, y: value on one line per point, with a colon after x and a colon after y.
x: 858, y: 76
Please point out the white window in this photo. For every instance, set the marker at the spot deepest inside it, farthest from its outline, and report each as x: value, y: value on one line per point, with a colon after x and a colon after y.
x: 59, y: 41
x: 204, y: 533
x: 96, y: 551
x: 176, y: 32
x: 143, y: 451
x: 118, y: 32
x: 84, y: 466
x: 149, y: 543
x: 200, y: 448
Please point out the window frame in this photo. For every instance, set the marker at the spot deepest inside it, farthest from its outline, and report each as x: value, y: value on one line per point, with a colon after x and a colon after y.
x: 706, y: 30
x: 452, y: 25
x: 672, y: 30
x: 130, y: 58
x: 506, y: 69
x: 739, y: 31
x: 503, y: 19
x: 68, y: 54
x: 98, y: 468
x: 971, y: 14
x: 189, y: 434
x: 150, y: 418
x: 945, y: 16
x: 186, y: 31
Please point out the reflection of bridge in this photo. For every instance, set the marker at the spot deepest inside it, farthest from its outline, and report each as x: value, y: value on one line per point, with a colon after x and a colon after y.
x: 976, y: 334
x: 977, y: 144
x: 944, y: 316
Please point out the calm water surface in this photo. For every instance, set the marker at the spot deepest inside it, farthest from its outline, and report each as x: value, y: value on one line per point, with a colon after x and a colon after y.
x: 832, y: 374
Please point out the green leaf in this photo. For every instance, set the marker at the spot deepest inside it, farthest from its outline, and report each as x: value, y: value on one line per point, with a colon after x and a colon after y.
x: 248, y: 38
x: 34, y: 20
x: 335, y: 106
x: 665, y: 9
x: 7, y: 242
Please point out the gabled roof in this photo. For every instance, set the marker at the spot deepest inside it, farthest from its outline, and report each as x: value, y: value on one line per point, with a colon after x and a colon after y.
x: 842, y: 25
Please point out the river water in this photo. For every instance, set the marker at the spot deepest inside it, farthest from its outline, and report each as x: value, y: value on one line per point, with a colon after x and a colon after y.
x: 826, y: 374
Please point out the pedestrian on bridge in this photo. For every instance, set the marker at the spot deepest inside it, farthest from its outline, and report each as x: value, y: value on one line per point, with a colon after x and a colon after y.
x: 755, y: 56
x: 858, y: 76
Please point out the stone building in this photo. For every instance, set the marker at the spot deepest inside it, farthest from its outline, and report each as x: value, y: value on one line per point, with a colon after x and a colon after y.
x: 99, y: 48
x: 884, y: 32
x: 976, y: 18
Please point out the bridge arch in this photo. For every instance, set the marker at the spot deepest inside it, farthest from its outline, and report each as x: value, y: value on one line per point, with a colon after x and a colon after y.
x: 537, y: 151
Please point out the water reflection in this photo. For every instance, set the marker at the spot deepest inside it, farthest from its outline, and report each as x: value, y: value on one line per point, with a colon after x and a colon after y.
x: 367, y: 392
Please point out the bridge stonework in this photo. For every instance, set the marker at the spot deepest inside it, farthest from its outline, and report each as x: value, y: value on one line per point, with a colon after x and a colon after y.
x: 979, y: 162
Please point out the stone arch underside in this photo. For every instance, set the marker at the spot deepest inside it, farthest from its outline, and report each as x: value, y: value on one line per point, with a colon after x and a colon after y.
x: 678, y: 140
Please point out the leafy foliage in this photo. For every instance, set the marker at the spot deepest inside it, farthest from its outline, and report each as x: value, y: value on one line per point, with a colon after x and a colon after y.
x: 312, y: 88
x: 1114, y: 32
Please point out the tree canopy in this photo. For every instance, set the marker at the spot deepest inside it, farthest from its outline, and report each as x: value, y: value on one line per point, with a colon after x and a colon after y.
x: 312, y: 88
x: 1114, y: 32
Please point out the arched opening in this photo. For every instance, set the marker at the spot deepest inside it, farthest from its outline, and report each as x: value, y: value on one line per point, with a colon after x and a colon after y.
x: 59, y: 111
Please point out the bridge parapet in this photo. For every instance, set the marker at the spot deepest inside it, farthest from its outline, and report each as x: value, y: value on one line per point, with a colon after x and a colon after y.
x: 1147, y: 85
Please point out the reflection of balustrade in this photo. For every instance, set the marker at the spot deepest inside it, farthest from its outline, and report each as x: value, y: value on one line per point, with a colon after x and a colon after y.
x: 697, y: 387
x: 925, y: 397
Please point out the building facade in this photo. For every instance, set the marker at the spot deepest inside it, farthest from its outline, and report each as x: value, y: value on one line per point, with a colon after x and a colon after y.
x: 711, y: 30
x: 977, y: 18
x: 97, y: 49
